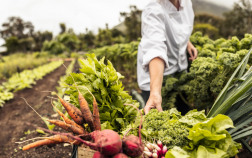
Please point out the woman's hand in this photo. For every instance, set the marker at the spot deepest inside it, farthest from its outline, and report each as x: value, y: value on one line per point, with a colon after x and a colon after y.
x: 192, y: 51
x: 156, y: 69
x: 154, y: 102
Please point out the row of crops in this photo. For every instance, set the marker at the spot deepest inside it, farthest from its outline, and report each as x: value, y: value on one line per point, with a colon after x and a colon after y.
x: 19, y: 62
x: 25, y: 79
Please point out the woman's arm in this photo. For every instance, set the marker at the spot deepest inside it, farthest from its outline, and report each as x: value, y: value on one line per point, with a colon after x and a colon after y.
x: 156, y: 69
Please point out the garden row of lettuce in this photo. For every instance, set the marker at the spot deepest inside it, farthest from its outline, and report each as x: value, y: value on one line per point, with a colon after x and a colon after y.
x: 208, y: 74
x: 18, y: 62
x: 25, y: 79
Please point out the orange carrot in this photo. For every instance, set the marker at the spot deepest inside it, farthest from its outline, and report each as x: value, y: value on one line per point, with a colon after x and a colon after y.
x: 55, y: 139
x: 86, y: 113
x: 60, y: 124
x: 73, y: 111
x: 96, y: 115
x: 68, y: 127
x: 76, y: 130
x: 67, y: 120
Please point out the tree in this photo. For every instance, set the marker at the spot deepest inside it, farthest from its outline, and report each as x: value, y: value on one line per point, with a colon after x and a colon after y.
x: 87, y: 39
x: 104, y: 37
x: 132, y: 21
x: 12, y: 44
x: 17, y: 35
x: 69, y: 40
x: 62, y: 28
x: 54, y: 47
x: 40, y: 38
x: 15, y: 26
x: 239, y: 20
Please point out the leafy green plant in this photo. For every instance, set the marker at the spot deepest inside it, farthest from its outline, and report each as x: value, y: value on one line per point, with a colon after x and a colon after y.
x: 18, y: 62
x: 209, y: 73
x: 105, y: 84
x: 208, y: 139
x: 235, y: 100
x: 123, y: 57
x: 231, y: 94
x: 25, y: 79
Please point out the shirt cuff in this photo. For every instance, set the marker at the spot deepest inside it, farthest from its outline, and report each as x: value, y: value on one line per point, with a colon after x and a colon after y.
x: 151, y: 55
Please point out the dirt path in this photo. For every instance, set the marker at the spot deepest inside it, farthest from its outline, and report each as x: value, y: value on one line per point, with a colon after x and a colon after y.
x: 16, y: 115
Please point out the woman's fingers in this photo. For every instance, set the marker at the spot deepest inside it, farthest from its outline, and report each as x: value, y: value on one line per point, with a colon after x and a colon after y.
x: 195, y: 52
x: 159, y: 108
x: 147, y: 108
x: 190, y: 53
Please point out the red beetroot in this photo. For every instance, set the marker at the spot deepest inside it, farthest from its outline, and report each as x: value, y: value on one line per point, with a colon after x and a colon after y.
x: 107, y: 142
x: 120, y: 155
x: 132, y: 146
x: 97, y: 154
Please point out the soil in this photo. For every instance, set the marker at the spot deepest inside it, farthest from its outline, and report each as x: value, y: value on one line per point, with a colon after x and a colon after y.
x: 16, y: 119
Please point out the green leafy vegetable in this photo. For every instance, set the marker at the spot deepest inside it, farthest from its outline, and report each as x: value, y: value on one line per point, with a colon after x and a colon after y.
x: 25, y: 79
x: 170, y: 126
x: 105, y: 84
x: 208, y: 139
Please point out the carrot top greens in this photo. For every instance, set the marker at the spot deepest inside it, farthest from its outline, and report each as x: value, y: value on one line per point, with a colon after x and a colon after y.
x: 104, y: 82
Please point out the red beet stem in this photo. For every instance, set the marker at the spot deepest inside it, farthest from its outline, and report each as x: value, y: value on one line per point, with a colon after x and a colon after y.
x: 140, y: 126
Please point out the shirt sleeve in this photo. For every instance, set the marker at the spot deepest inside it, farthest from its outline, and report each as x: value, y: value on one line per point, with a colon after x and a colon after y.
x: 153, y: 36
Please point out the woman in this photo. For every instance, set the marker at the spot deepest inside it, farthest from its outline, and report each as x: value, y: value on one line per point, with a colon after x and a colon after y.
x: 166, y: 28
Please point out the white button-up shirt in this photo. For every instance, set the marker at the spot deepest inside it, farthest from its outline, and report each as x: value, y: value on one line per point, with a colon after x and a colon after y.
x: 165, y: 34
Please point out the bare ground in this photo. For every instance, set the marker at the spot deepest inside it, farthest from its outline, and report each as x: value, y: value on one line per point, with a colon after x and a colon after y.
x: 16, y: 117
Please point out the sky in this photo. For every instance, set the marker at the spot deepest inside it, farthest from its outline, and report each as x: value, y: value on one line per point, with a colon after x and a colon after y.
x: 76, y: 14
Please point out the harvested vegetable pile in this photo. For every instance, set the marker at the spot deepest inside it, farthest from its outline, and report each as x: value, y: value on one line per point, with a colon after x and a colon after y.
x: 108, y: 143
x: 99, y: 88
x: 85, y: 126
x: 193, y: 135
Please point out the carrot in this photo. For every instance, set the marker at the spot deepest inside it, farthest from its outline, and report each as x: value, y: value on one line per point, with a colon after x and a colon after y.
x: 77, y: 130
x: 86, y: 113
x: 55, y: 139
x: 68, y: 127
x: 73, y: 111
x: 60, y: 124
x: 68, y: 121
x: 96, y: 115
